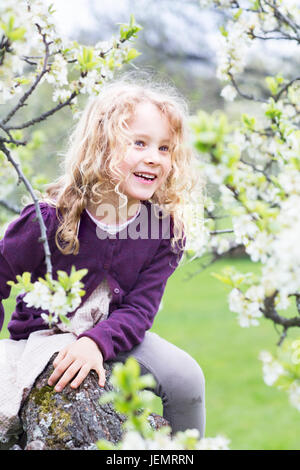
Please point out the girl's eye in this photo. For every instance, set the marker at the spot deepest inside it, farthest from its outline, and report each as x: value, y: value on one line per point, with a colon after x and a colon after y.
x: 139, y: 143
x: 164, y: 148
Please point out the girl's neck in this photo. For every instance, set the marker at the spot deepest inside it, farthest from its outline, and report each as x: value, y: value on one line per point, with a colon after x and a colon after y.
x: 110, y: 214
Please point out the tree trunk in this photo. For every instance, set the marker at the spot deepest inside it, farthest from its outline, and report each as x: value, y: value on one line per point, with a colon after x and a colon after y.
x: 71, y: 419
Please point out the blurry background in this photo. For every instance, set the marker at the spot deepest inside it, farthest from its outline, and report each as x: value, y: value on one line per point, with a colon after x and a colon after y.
x: 179, y: 43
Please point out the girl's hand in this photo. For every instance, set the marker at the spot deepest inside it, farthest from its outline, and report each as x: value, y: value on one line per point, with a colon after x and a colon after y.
x: 77, y: 358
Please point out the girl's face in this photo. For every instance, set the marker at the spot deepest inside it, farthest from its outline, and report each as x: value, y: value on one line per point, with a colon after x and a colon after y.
x: 148, y: 161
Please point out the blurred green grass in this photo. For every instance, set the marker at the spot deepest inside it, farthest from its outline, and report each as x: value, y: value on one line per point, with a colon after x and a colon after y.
x: 195, y: 317
x: 239, y: 405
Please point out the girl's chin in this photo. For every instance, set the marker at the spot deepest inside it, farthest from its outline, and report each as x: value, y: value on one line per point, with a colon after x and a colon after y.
x: 139, y: 195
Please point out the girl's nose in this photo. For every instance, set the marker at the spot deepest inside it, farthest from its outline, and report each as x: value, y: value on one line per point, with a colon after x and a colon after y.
x: 152, y: 156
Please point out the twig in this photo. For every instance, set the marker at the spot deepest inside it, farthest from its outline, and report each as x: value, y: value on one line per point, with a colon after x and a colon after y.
x: 4, y: 47
x: 281, y: 17
x: 244, y: 95
x: 285, y: 37
x: 257, y: 169
x: 270, y: 312
x: 189, y: 276
x: 215, y: 257
x: 26, y: 95
x: 13, y: 141
x: 217, y: 232
x: 44, y: 116
x: 282, y: 336
x: 28, y: 186
x: 276, y: 97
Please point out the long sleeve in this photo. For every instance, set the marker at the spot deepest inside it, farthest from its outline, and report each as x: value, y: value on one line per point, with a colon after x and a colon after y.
x: 20, y: 249
x: 126, y: 326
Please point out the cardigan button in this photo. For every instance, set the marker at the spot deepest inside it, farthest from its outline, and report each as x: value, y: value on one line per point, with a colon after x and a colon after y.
x: 106, y: 266
x: 116, y: 290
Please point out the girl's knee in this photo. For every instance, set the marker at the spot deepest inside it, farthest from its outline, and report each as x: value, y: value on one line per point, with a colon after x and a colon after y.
x: 184, y: 380
x: 191, y: 381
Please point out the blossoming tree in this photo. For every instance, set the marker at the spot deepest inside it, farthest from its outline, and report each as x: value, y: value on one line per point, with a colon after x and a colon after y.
x: 33, y: 51
x: 256, y: 166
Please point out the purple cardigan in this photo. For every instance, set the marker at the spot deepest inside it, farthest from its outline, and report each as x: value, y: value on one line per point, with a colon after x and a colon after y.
x: 136, y: 270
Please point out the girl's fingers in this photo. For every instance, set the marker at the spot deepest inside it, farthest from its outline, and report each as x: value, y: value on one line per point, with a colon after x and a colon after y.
x: 68, y: 375
x: 82, y: 374
x: 101, y: 374
x: 60, y: 356
x: 60, y: 369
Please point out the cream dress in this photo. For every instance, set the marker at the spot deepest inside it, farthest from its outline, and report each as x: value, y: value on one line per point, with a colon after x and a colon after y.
x: 22, y: 361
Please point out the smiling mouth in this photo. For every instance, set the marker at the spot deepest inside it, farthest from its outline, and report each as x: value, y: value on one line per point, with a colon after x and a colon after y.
x: 145, y: 177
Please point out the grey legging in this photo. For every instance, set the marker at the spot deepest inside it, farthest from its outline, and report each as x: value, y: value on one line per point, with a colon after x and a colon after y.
x: 179, y: 381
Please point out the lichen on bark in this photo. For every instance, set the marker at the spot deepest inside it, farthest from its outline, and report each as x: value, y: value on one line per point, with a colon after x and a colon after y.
x: 72, y: 419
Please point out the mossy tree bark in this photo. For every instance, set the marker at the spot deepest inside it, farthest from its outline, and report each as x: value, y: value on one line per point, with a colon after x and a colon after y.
x: 71, y: 419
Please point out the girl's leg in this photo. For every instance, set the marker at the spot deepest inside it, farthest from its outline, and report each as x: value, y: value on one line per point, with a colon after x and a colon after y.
x: 179, y: 381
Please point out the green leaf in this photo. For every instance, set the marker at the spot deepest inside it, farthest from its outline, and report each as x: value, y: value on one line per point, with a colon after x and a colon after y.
x: 224, y: 279
x: 248, y: 121
x: 133, y: 367
x: 11, y: 23
x: 107, y: 397
x: 105, y: 445
x: 223, y: 31
x: 24, y: 282
x: 132, y: 54
x: 238, y: 14
x: 147, y: 381
x: 64, y: 319
x: 129, y: 31
x: 284, y: 382
x: 77, y: 275
x: 17, y: 34
x: 272, y: 85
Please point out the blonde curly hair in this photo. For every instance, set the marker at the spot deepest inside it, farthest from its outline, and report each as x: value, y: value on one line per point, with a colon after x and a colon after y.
x: 91, y: 160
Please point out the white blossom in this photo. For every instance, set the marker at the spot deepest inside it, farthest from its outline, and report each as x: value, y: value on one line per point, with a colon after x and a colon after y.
x: 249, y: 315
x: 256, y: 293
x: 229, y: 93
x: 289, y: 179
x: 132, y: 440
x: 259, y: 248
x: 272, y: 369
x: 39, y: 297
x: 61, y: 95
x: 248, y: 311
x: 244, y: 228
x: 214, y: 443
x: 236, y: 300
x: 216, y: 174
x: 220, y: 244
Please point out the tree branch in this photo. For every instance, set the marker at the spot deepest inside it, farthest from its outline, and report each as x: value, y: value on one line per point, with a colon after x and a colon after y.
x: 285, y: 88
x: 243, y: 95
x: 28, y: 186
x: 218, y: 232
x: 13, y: 141
x: 270, y: 312
x: 43, y: 116
x: 215, y: 257
x: 281, y: 17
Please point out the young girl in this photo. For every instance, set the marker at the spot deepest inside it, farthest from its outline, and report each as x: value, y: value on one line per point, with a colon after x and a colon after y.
x: 117, y: 210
